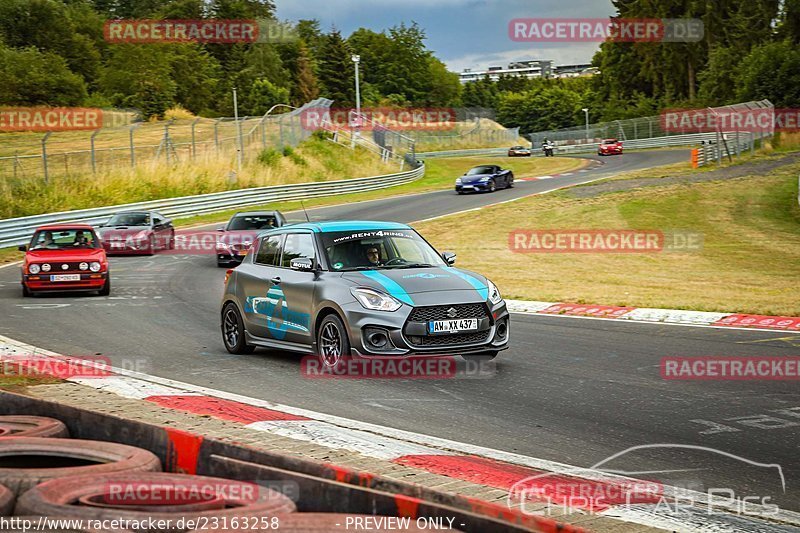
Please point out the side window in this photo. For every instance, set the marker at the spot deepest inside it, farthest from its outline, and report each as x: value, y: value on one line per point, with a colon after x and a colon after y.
x: 269, y: 252
x: 298, y: 245
x: 157, y: 220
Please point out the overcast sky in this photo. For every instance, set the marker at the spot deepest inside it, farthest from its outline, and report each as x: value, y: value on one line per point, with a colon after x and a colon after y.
x: 463, y: 33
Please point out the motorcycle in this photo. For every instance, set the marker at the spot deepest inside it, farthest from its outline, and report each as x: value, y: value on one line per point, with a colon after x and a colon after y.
x: 548, y: 149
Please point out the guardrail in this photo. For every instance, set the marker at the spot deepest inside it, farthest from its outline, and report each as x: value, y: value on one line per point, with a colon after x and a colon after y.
x: 16, y: 231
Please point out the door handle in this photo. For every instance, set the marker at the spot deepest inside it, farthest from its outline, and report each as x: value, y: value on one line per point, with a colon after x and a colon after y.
x: 276, y: 281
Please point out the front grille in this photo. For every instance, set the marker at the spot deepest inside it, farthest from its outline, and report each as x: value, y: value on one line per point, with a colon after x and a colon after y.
x: 439, y: 312
x: 55, y: 267
x: 450, y: 340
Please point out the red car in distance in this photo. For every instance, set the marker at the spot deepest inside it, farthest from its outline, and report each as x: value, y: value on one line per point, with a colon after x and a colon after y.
x: 65, y: 257
x: 610, y: 147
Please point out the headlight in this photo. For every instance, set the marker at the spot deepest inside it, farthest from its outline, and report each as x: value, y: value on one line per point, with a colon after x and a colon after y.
x: 221, y: 245
x: 83, y: 266
x: 33, y: 269
x: 94, y: 267
x: 458, y: 181
x: 494, y: 294
x: 374, y: 300
x: 46, y: 267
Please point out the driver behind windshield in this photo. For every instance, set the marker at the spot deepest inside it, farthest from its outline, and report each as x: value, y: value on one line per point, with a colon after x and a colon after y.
x: 47, y: 240
x: 374, y: 256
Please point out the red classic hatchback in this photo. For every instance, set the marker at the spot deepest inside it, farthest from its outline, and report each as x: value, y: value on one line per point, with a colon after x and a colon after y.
x: 65, y: 257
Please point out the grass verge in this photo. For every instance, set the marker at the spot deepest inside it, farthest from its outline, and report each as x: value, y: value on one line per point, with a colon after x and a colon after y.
x: 749, y: 262
x: 440, y: 174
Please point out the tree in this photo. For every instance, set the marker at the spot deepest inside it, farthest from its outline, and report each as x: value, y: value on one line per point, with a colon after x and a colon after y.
x: 306, y: 87
x: 261, y: 96
x: 196, y: 74
x: 771, y: 71
x: 445, y: 85
x: 336, y: 70
x: 718, y: 80
x: 140, y: 76
x: 31, y: 77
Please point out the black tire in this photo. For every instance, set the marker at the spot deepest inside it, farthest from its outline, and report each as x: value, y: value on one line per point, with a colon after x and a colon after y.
x: 233, y: 332
x: 480, y: 357
x: 93, y: 498
x: 510, y: 182
x: 332, y: 338
x: 492, y: 186
x: 459, y: 192
x: 68, y: 458
x: 171, y: 241
x: 151, y: 246
x: 106, y: 290
x: 6, y: 501
x: 26, y: 292
x: 32, y: 426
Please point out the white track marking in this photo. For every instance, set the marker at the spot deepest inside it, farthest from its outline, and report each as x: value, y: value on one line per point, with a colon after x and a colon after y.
x: 337, y: 437
x: 375, y: 433
x: 128, y: 387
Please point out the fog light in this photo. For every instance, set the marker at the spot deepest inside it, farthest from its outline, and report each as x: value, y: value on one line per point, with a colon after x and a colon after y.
x: 502, y: 330
x: 378, y: 339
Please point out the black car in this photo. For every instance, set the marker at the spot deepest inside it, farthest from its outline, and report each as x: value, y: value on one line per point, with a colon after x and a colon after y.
x: 485, y: 178
x: 238, y: 235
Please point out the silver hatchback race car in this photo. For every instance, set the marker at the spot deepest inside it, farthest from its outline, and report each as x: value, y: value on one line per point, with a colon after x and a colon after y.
x: 364, y: 289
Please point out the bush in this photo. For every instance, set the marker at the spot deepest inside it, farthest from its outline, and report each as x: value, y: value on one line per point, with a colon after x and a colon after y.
x: 269, y: 157
x: 296, y: 158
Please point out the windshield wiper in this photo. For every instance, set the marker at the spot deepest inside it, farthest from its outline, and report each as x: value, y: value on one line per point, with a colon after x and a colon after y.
x: 353, y: 269
x: 412, y: 265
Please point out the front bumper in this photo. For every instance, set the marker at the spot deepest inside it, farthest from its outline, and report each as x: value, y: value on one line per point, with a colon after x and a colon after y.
x: 473, y: 187
x: 410, y: 338
x: 90, y: 281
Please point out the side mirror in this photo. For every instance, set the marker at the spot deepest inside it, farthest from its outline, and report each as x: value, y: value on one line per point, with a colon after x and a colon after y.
x: 22, y: 248
x: 220, y: 229
x: 449, y: 257
x: 303, y: 264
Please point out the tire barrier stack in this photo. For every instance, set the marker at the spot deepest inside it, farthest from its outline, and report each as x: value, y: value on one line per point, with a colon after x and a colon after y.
x: 43, y: 473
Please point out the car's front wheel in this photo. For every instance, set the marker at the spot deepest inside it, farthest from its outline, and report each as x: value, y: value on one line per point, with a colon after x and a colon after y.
x: 492, y: 186
x: 233, y: 335
x: 332, y: 341
x: 106, y: 290
x: 25, y: 291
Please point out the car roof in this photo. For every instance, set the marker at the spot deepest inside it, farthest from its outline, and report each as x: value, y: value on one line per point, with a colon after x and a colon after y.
x: 256, y: 213
x: 346, y: 225
x: 57, y: 227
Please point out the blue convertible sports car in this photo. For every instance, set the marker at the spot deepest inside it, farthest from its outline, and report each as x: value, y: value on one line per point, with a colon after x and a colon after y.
x: 484, y: 178
x: 370, y: 289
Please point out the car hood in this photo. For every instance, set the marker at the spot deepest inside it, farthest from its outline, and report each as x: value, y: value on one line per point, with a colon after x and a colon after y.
x: 424, y: 286
x: 239, y: 236
x: 83, y: 254
x: 475, y: 178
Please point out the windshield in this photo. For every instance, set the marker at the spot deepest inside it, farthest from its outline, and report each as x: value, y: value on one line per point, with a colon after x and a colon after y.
x: 477, y: 171
x: 246, y: 222
x: 129, y: 219
x: 379, y: 249
x: 64, y: 240
x: 610, y: 141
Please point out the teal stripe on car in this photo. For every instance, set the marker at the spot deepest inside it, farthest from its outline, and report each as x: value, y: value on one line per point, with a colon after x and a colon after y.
x: 482, y: 289
x: 391, y: 286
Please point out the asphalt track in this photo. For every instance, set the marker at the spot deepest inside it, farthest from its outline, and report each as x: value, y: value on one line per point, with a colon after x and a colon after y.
x: 570, y: 390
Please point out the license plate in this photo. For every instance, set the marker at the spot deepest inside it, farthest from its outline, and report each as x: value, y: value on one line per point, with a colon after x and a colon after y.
x: 117, y: 244
x: 452, y: 326
x: 65, y: 277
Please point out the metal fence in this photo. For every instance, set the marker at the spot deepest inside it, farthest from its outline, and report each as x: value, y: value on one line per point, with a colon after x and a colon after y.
x: 15, y: 231
x: 55, y: 154
x: 480, y: 133
x: 636, y: 128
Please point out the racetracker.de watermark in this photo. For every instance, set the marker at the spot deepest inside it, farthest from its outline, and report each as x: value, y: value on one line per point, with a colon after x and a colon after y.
x: 216, y: 31
x: 50, y: 118
x: 407, y: 118
x: 614, y: 241
x: 584, y: 30
x: 731, y: 368
x: 387, y: 367
x: 37, y: 365
x: 730, y: 120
